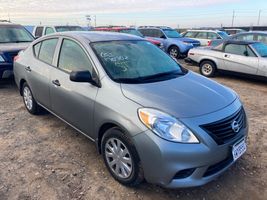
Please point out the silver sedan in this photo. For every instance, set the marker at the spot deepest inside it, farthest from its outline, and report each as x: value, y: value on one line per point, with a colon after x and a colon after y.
x: 235, y: 56
x: 149, y: 117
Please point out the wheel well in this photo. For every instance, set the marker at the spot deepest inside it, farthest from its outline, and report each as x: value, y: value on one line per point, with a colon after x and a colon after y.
x: 209, y: 61
x: 173, y: 45
x: 22, y: 81
x: 101, y: 132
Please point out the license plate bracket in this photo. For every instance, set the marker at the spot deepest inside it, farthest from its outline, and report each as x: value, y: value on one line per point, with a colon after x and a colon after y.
x: 239, y: 149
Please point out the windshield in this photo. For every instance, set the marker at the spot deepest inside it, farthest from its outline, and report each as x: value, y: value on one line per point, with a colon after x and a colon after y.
x: 172, y: 33
x: 223, y: 34
x: 132, y: 32
x: 14, y: 34
x: 68, y: 28
x: 261, y: 48
x: 136, y: 61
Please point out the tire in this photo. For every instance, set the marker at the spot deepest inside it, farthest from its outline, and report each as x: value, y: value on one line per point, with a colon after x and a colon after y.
x: 174, y: 51
x: 126, y: 170
x: 29, y: 100
x: 207, y: 68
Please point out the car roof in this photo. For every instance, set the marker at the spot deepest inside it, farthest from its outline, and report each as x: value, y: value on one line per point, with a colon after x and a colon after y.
x: 195, y: 30
x: 253, y: 32
x: 8, y: 24
x: 97, y: 36
x: 241, y: 42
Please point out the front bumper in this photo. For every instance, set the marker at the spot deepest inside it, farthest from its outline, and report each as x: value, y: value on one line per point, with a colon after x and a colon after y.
x: 176, y: 165
x: 6, y: 70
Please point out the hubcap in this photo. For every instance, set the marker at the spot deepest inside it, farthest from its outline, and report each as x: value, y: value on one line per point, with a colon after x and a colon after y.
x: 27, y: 96
x: 118, y: 158
x: 207, y: 69
x: 174, y: 53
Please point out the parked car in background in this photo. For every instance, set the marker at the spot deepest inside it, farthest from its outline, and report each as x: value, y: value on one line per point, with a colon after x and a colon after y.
x: 148, y: 116
x: 205, y: 36
x: 244, y: 57
x: 13, y: 38
x: 128, y: 30
x: 233, y: 31
x: 260, y: 36
x: 39, y: 31
x: 173, y: 42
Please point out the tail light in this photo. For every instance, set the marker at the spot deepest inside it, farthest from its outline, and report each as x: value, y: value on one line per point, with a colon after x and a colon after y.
x: 16, y: 58
x: 209, y: 43
x: 191, y: 54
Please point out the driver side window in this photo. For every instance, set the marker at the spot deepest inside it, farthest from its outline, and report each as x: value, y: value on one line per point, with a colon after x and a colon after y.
x: 73, y: 58
x: 238, y: 49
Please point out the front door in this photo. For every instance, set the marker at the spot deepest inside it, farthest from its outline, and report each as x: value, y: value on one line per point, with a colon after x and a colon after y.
x: 240, y: 58
x: 73, y: 101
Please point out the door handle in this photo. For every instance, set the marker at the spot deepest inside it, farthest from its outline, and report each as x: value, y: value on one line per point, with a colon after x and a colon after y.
x: 28, y: 69
x: 226, y: 56
x: 56, y: 82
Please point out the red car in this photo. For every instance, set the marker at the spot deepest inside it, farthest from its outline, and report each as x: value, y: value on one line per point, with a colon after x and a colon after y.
x: 127, y: 30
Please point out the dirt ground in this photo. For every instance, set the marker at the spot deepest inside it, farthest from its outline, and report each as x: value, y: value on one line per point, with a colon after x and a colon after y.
x: 43, y: 158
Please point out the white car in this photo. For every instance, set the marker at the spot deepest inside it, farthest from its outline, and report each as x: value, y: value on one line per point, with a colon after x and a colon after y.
x: 247, y: 57
x: 205, y: 36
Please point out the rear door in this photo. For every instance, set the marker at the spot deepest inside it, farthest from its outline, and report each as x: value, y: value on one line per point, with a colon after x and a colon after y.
x: 240, y: 58
x: 72, y: 101
x: 39, y: 68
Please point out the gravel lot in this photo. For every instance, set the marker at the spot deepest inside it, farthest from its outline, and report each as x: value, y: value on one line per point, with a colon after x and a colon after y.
x: 43, y: 158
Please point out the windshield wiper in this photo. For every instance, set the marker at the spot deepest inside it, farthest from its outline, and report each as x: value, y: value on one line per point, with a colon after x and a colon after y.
x: 155, y: 77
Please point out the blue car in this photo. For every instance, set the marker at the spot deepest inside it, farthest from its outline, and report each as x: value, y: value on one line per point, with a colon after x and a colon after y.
x: 174, y: 44
x: 13, y: 38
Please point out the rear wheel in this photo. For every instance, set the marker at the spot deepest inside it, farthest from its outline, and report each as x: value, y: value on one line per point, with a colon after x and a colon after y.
x: 174, y: 51
x: 121, y: 158
x: 29, y: 100
x: 207, y: 68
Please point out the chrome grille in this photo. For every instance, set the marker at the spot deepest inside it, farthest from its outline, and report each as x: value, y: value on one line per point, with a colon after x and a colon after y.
x: 222, y: 130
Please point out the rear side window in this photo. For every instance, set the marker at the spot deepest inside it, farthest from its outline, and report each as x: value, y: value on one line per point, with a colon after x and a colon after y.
x: 73, y: 58
x: 49, y: 30
x: 39, y: 31
x: 213, y: 36
x: 237, y: 49
x: 47, y: 50
x: 262, y: 38
x: 190, y: 34
x: 202, y: 35
x: 144, y: 31
x: 249, y: 37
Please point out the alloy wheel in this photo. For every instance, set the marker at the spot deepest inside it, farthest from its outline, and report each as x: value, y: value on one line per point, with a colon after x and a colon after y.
x: 27, y: 96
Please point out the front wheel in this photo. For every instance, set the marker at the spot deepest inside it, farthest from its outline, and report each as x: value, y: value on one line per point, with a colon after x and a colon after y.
x: 207, y: 68
x: 174, y: 51
x: 29, y: 101
x: 121, y: 158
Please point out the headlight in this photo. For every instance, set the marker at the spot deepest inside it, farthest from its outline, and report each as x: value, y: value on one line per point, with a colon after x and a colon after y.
x: 161, y: 46
x: 166, y: 126
x: 2, y: 59
x: 188, y: 44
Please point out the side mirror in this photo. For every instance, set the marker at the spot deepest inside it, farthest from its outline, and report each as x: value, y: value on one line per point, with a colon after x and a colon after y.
x: 83, y: 77
x: 246, y: 53
x: 163, y: 37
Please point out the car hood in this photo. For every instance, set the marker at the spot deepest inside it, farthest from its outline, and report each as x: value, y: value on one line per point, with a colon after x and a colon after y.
x: 188, y: 96
x: 183, y: 39
x: 10, y: 47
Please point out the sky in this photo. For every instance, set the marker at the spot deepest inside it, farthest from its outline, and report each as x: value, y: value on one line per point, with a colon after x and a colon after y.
x: 174, y: 13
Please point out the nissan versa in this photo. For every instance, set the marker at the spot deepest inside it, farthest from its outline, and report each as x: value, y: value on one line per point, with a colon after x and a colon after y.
x: 149, y: 117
